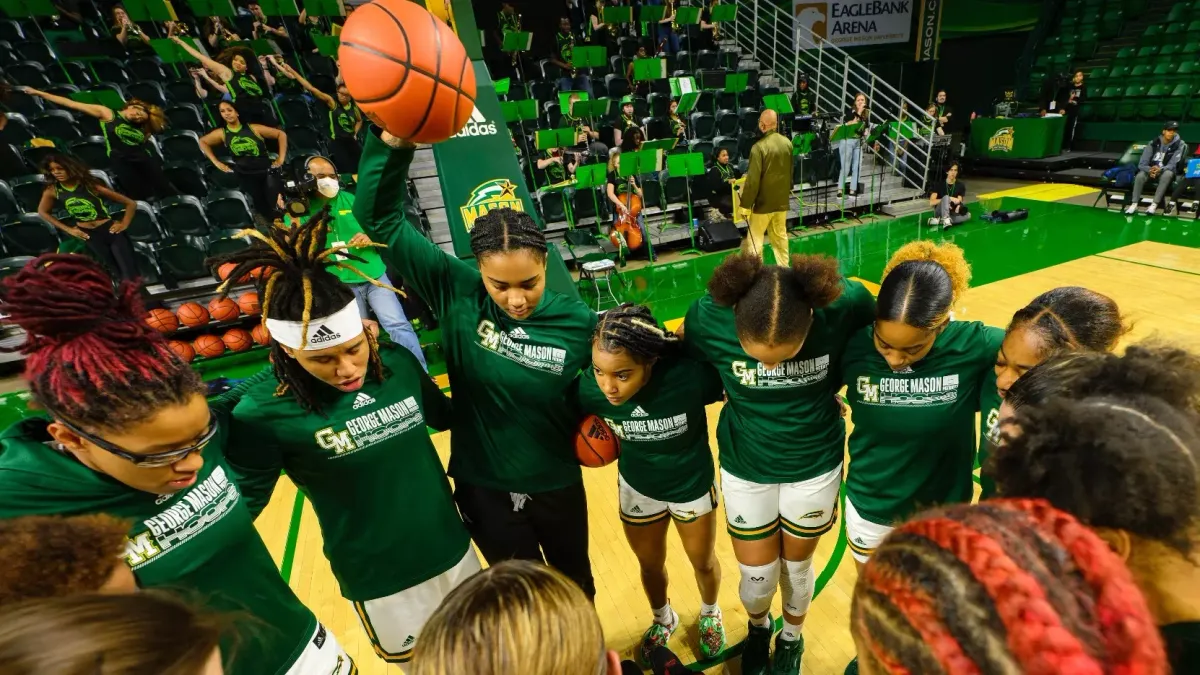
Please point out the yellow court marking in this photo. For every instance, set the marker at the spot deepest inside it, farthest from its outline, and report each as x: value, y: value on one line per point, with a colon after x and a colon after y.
x: 1050, y: 192
x: 1157, y: 300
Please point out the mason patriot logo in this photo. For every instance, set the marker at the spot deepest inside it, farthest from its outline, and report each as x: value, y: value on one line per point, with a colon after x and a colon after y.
x: 478, y: 125
x: 498, y: 193
x: 1002, y: 140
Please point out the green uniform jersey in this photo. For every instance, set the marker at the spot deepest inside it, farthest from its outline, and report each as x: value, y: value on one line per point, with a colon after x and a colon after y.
x: 368, y: 466
x: 79, y: 203
x: 122, y: 138
x: 342, y: 120
x: 989, y: 428
x: 663, y: 428
x: 513, y: 424
x: 201, y: 539
x: 781, y: 425
x: 342, y: 228
x: 244, y: 86
x: 913, y: 444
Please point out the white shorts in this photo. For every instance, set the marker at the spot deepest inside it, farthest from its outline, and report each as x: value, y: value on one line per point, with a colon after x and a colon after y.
x: 863, y: 536
x: 323, y: 656
x: 394, y: 623
x: 638, y: 509
x: 806, y: 509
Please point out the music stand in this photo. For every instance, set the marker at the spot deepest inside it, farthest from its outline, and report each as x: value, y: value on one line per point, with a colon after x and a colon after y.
x: 517, y: 43
x: 102, y: 96
x: 846, y: 131
x: 687, y: 165
x: 869, y: 142
x: 618, y: 15
x: 636, y: 163
x: 592, y: 176
x: 736, y: 83
x: 688, y: 16
x: 648, y: 69
x: 34, y: 8
x: 328, y: 8
x: 520, y: 112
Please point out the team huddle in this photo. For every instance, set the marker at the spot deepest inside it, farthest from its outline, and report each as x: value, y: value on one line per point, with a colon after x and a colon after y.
x: 129, y: 433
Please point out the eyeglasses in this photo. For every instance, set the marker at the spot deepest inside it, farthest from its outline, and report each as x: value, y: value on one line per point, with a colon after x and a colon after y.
x: 152, y: 461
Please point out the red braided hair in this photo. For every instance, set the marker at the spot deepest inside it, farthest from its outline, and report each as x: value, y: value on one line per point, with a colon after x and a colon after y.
x: 90, y: 357
x: 955, y: 578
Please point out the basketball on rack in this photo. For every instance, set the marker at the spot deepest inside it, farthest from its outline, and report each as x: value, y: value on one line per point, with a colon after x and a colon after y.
x: 407, y: 70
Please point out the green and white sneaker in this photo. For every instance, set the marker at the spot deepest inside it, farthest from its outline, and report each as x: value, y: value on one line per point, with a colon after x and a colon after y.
x: 756, y: 655
x: 787, y: 656
x: 657, y: 635
x: 712, y: 635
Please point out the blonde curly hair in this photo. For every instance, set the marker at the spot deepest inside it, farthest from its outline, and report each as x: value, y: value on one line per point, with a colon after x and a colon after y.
x: 922, y: 283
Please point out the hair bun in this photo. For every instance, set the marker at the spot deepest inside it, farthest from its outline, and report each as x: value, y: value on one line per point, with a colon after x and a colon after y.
x: 734, y: 278
x: 817, y: 278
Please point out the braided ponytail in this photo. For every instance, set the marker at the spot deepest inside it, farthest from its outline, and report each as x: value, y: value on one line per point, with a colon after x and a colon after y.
x: 634, y: 329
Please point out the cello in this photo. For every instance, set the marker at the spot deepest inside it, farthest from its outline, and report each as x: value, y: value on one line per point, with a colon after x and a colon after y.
x: 626, y: 230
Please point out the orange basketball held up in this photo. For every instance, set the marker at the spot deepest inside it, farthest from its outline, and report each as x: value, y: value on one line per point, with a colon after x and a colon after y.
x: 208, y: 346
x: 596, y: 445
x: 182, y: 349
x: 191, y: 314
x: 223, y: 309
x: 162, y: 320
x: 237, y: 339
x: 407, y: 70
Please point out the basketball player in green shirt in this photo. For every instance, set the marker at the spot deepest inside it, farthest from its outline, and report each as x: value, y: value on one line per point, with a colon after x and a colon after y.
x: 913, y: 380
x: 513, y: 350
x: 1064, y: 319
x: 653, y: 398
x: 775, y: 335
x: 130, y: 434
x: 346, y: 420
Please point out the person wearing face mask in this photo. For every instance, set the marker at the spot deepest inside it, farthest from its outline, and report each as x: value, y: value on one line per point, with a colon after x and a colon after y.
x: 360, y: 268
x: 251, y: 162
x: 310, y: 415
x: 513, y: 348
x: 913, y: 380
x: 653, y: 398
x: 775, y: 335
x: 126, y: 431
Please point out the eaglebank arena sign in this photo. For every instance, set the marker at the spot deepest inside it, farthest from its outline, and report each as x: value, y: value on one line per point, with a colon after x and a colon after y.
x: 852, y: 23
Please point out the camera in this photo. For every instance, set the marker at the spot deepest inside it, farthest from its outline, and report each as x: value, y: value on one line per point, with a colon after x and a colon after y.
x: 296, y: 194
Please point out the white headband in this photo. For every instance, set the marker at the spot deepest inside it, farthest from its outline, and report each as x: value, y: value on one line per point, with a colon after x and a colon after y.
x: 336, y: 329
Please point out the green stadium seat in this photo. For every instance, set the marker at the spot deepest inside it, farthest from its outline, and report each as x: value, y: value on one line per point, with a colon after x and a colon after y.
x: 1163, y: 70
x: 1150, y: 109
x: 183, y: 215
x: 1150, y: 35
x: 1174, y: 34
x: 1173, y: 108
x: 1097, y: 77
x: 1087, y: 111
x: 9, y: 208
x: 1179, y: 12
x: 1193, y: 112
x: 147, y: 265
x: 551, y: 206
x: 1140, y: 71
x: 1119, y: 72
x: 1146, y: 54
x: 1127, y: 109
x: 1194, y: 27
x: 182, y: 145
x: 228, y: 209
x: 1088, y: 40
x: 1125, y: 54
x: 1110, y: 23
x: 188, y: 177
x: 10, y: 266
x: 1052, y: 44
x: 183, y: 258
x: 1182, y: 91
x: 29, y: 235
x: 145, y: 224
x: 225, y: 242
x: 28, y: 191
x: 151, y: 92
x: 1168, y: 51
x: 93, y: 151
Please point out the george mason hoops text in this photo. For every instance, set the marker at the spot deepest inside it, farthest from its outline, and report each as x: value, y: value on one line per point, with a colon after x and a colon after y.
x: 194, y: 511
x: 909, y: 391
x: 786, y: 374
x: 538, y: 357
x: 370, y: 428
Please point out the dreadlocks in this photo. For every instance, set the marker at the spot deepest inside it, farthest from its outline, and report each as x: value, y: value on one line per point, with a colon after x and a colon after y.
x: 1006, y: 586
x: 297, y: 286
x: 633, y: 328
x: 90, y: 357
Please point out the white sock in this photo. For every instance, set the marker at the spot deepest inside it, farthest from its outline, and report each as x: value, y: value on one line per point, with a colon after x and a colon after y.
x: 797, y: 584
x: 790, y: 630
x: 710, y: 610
x: 665, y: 616
x: 763, y: 621
x: 758, y: 585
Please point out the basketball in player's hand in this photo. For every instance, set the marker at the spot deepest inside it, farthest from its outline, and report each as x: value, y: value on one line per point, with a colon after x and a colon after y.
x: 596, y: 445
x: 407, y: 70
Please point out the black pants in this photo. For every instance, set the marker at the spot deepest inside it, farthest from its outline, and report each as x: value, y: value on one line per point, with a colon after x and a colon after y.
x: 141, y: 177
x: 1182, y: 184
x: 1070, y: 129
x: 345, y: 153
x: 263, y: 188
x: 550, y: 527
x: 114, y: 251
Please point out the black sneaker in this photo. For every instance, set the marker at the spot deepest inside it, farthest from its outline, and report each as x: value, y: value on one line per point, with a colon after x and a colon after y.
x: 756, y: 655
x: 787, y: 656
x: 1170, y: 210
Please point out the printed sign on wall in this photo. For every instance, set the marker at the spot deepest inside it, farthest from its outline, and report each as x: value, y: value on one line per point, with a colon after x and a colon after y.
x: 854, y: 23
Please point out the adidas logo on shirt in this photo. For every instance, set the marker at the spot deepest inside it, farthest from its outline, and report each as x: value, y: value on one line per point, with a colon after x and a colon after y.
x: 408, y: 642
x: 324, y: 334
x: 636, y: 509
x: 518, y: 333
x: 638, y: 412
x: 362, y: 400
x: 739, y: 520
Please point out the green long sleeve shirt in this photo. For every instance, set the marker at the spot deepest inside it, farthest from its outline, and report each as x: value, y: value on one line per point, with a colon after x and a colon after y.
x: 769, y: 177
x: 513, y: 424
x: 367, y: 464
x: 200, y: 540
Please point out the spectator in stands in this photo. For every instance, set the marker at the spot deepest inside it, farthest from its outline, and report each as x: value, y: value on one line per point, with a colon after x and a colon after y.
x: 557, y: 164
x: 937, y: 124
x: 618, y: 187
x: 345, y: 119
x: 262, y: 27
x: 345, y: 230
x: 804, y: 101
x: 56, y: 556
x: 1067, y: 101
x: 232, y: 67
x: 625, y: 120
x: 632, y: 141
x: 721, y: 177
x: 678, y: 126
x: 948, y: 199
x: 1158, y: 162
x: 850, y: 149
x: 217, y: 33
x: 666, y: 40
x: 251, y: 162
x: 127, y: 134
x: 598, y: 31
x: 570, y: 79
x: 128, y: 33
x: 943, y: 112
x: 72, y: 190
x: 1183, y: 183
x: 94, y: 634
x: 640, y: 87
x: 767, y: 190
x: 207, y: 89
x: 708, y: 30
x: 584, y: 133
x: 516, y: 617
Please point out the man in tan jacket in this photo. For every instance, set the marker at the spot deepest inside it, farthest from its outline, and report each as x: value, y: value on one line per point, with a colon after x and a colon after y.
x: 767, y: 189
